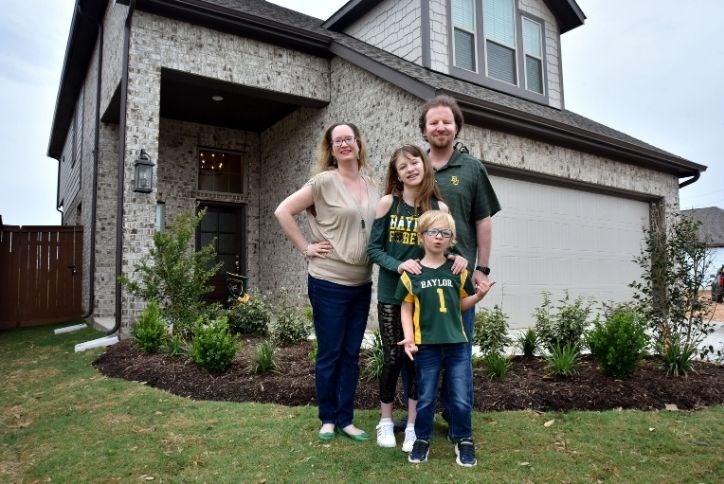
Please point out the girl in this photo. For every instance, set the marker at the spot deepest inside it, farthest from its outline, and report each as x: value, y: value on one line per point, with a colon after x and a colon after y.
x: 410, y: 190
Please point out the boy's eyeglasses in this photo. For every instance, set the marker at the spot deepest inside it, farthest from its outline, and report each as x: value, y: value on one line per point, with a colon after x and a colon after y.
x: 348, y: 139
x: 446, y: 233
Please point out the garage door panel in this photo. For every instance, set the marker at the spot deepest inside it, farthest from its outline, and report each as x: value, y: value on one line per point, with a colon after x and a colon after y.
x: 557, y: 239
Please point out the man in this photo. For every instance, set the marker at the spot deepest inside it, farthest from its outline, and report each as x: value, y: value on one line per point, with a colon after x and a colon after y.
x: 465, y: 188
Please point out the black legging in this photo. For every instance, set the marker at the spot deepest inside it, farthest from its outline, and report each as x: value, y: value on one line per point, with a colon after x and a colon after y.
x: 388, y: 316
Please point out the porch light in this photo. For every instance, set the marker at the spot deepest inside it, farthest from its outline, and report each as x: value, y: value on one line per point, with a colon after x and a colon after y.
x: 144, y: 173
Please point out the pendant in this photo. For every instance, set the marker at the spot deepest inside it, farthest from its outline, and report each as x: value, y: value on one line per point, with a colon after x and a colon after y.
x: 362, y: 222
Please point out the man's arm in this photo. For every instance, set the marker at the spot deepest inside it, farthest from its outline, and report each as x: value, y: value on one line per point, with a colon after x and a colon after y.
x: 484, y: 237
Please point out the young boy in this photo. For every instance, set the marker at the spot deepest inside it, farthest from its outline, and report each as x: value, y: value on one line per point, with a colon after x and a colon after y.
x: 434, y: 334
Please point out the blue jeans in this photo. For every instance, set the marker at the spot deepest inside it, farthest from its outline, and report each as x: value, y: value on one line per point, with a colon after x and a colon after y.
x: 469, y: 325
x: 340, y: 318
x: 455, y: 360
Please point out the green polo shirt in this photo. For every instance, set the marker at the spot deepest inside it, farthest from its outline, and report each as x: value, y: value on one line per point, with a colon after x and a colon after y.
x: 466, y: 189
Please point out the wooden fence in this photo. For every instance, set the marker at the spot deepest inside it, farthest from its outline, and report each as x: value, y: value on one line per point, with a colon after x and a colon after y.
x: 40, y: 275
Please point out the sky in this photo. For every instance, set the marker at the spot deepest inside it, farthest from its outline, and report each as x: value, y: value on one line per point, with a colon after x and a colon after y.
x: 649, y: 68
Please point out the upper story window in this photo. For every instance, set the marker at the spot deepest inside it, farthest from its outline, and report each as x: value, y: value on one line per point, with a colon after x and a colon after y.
x: 221, y: 171
x: 463, y: 19
x: 496, y: 45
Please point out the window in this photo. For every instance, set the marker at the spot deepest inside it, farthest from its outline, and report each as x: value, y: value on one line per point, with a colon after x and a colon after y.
x: 463, y: 16
x: 507, y: 43
x: 500, y: 46
x: 533, y: 55
x: 221, y: 171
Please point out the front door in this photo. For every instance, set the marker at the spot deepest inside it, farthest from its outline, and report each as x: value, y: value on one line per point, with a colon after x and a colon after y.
x: 225, y: 227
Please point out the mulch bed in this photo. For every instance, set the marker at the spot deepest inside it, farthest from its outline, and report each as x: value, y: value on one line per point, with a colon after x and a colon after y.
x: 527, y: 385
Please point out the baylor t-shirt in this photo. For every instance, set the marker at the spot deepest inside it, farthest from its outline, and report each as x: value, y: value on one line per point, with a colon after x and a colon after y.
x: 436, y: 295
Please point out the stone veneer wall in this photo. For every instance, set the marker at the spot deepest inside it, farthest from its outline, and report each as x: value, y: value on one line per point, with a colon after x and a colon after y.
x: 439, y: 44
x: 394, y: 26
x: 158, y: 42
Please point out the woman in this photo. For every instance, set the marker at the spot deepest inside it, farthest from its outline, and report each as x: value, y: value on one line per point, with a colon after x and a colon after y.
x: 410, y: 190
x: 340, y: 202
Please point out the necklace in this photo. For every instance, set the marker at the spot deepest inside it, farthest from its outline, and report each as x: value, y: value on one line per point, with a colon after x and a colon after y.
x: 360, y: 206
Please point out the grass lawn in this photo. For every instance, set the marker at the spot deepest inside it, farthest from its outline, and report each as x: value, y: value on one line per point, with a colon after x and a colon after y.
x: 62, y: 421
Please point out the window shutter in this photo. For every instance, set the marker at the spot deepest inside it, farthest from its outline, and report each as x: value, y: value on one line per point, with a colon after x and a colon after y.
x: 464, y: 50
x: 534, y: 74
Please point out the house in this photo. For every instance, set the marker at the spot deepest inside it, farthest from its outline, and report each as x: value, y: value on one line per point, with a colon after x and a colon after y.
x: 226, y: 101
x: 711, y: 231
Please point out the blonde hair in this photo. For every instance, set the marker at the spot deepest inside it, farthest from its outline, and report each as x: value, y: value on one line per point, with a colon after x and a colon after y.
x: 428, y: 187
x: 326, y: 161
x: 432, y: 218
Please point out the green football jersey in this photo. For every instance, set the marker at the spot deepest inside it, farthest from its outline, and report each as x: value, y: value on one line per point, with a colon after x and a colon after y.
x: 436, y: 295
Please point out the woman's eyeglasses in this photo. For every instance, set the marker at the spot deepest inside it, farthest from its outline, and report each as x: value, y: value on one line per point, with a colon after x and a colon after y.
x: 348, y: 139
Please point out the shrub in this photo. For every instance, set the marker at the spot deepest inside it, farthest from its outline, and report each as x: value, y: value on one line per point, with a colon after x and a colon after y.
x: 374, y: 358
x: 562, y: 360
x: 176, y: 346
x: 213, y: 347
x: 675, y: 265
x: 619, y: 343
x: 528, y: 342
x: 251, y: 317
x: 313, y: 351
x: 149, y: 331
x: 677, y: 356
x: 174, y: 274
x: 291, y: 324
x: 265, y: 360
x: 491, y: 330
x: 563, y: 325
x: 496, y: 365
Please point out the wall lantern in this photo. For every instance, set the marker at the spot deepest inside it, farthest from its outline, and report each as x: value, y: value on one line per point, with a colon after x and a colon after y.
x: 144, y: 173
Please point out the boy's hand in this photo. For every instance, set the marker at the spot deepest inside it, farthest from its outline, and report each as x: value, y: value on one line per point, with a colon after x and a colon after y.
x: 482, y: 288
x: 410, y: 347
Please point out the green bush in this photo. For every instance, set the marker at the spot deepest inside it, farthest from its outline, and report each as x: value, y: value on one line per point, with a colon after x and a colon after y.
x: 174, y: 274
x: 265, y: 360
x: 313, y: 351
x: 528, y: 342
x: 677, y: 356
x: 213, y: 347
x: 251, y: 317
x: 563, y: 360
x: 176, y: 346
x: 149, y: 331
x: 491, y: 330
x: 291, y: 324
x: 618, y: 343
x: 496, y: 365
x: 374, y: 358
x: 563, y: 325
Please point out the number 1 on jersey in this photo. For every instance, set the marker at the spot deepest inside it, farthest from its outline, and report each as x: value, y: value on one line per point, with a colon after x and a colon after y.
x: 441, y: 297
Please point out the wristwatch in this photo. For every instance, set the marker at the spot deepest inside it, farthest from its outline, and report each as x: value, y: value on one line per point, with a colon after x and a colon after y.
x: 483, y: 269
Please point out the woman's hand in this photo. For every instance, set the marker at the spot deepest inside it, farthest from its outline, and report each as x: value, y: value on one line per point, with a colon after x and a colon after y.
x: 412, y: 266
x: 318, y: 249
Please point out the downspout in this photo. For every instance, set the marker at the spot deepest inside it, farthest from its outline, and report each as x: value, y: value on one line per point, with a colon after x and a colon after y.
x: 96, y: 147
x: 690, y: 180
x: 121, y: 164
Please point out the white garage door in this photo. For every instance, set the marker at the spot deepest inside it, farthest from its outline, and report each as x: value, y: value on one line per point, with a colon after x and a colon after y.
x: 552, y: 238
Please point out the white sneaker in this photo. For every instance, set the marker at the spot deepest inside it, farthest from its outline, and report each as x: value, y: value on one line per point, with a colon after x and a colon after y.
x: 410, y: 439
x: 386, y: 434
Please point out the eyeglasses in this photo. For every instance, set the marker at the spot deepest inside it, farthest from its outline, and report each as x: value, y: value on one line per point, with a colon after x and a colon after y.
x: 347, y: 139
x: 446, y: 233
